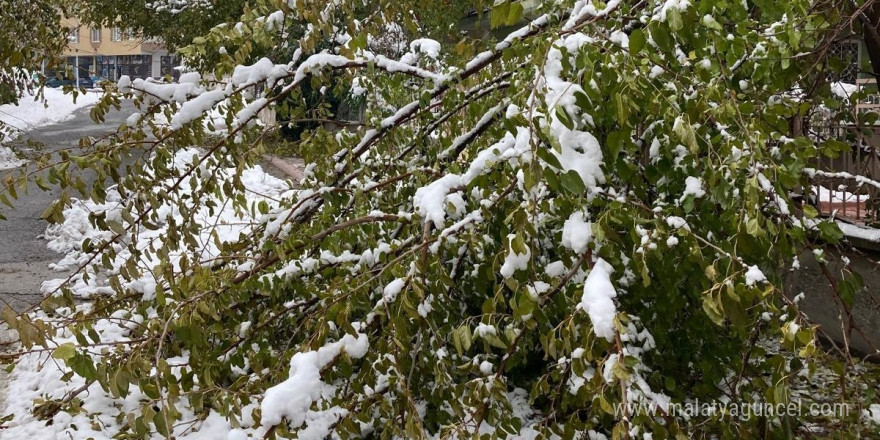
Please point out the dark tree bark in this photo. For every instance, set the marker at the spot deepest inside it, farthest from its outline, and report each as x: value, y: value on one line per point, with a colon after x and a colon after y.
x: 871, y: 35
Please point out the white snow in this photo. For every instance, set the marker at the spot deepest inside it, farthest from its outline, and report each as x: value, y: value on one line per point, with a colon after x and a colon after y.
x: 620, y: 38
x: 872, y: 414
x: 427, y: 46
x: 831, y: 196
x: 579, y: 150
x: 864, y: 233
x: 585, y: 8
x: 430, y: 200
x: 677, y: 223
x: 555, y: 269
x: 32, y: 112
x: 843, y: 90
x: 681, y: 5
x: 68, y: 236
x: 484, y: 329
x: 197, y: 107
x: 264, y: 69
x: 486, y: 367
x: 8, y: 159
x: 598, y: 301
x: 514, y: 261
x: 754, y: 276
x: 655, y: 72
x: 389, y: 294
x: 293, y: 398
x: 693, y: 187
x: 608, y: 367
x: 577, y: 233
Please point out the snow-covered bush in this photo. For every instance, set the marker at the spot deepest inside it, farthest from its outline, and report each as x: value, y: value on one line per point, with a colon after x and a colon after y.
x: 591, y: 211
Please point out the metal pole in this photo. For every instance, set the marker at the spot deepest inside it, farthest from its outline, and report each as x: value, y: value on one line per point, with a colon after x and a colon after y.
x: 77, y: 69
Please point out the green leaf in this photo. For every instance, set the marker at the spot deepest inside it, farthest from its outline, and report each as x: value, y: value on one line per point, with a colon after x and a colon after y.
x: 660, y: 34
x: 637, y: 41
x: 159, y: 422
x: 547, y: 156
x: 711, y: 23
x: 518, y: 245
x: 713, y: 309
x: 498, y: 15
x: 850, y: 284
x: 673, y: 17
x: 563, y: 117
x: 614, y: 144
x: 82, y: 365
x: 753, y: 227
x: 514, y: 14
x: 64, y: 351
x: 830, y: 232
x: 810, y: 212
x: 572, y: 182
x: 9, y: 317
x: 621, y: 109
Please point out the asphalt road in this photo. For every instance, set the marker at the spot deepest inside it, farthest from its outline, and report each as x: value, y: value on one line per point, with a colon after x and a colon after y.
x: 24, y: 257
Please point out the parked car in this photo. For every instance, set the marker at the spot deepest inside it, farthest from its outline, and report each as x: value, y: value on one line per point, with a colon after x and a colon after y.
x: 56, y: 81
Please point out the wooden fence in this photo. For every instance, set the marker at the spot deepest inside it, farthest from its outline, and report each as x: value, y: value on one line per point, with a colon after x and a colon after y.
x: 835, y: 192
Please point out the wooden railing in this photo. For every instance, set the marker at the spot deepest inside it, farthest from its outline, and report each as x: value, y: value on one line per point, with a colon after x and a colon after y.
x: 835, y: 192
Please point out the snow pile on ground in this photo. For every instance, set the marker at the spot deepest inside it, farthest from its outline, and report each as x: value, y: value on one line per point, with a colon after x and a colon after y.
x: 40, y: 376
x: 855, y: 231
x: 844, y: 90
x: 8, y: 159
x: 31, y: 112
x: 831, y: 196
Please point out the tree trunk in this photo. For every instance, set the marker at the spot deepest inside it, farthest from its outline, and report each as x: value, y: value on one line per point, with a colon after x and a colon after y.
x: 871, y: 36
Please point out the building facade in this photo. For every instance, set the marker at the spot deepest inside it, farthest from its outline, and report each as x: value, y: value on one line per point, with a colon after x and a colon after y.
x: 108, y: 53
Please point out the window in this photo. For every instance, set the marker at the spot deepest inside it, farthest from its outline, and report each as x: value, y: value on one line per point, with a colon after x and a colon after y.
x: 129, y: 34
x: 846, y: 53
x: 96, y: 35
x: 73, y: 36
x: 135, y: 66
x: 117, y: 34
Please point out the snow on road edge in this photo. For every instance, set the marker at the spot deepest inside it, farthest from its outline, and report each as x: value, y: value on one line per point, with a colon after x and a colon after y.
x: 37, y: 375
x: 30, y: 112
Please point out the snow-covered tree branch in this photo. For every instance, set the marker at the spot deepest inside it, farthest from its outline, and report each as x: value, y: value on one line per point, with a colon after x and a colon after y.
x: 529, y: 238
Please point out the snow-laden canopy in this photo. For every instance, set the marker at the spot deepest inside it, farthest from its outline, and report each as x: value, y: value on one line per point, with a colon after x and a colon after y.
x: 524, y: 237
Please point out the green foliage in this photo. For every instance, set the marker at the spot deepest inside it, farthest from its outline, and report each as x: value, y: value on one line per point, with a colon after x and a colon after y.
x: 30, y: 33
x: 665, y: 128
x: 176, y: 27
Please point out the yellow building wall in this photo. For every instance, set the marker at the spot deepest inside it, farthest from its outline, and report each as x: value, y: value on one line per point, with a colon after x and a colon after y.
x: 84, y: 46
x: 90, y: 58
